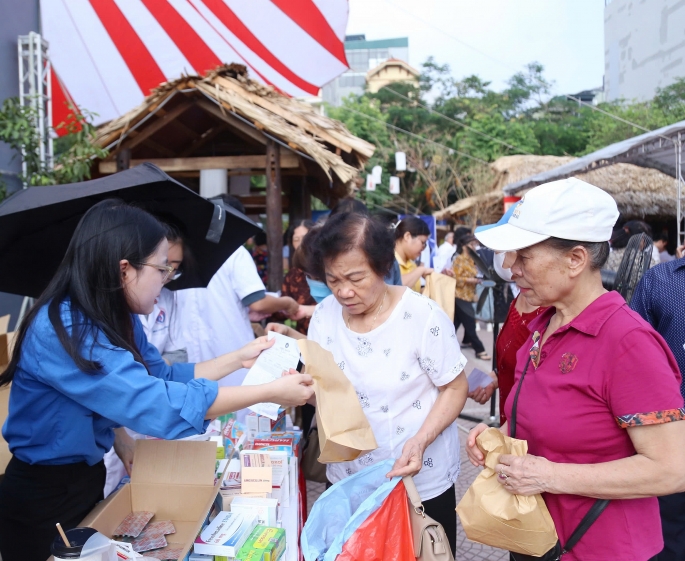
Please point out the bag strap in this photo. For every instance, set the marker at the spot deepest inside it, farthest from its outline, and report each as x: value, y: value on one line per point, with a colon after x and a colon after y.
x: 512, y: 420
x: 587, y: 521
x: 598, y: 506
x: 413, y: 494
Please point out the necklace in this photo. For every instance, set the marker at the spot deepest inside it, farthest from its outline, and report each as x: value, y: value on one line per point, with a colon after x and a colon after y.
x: 378, y: 312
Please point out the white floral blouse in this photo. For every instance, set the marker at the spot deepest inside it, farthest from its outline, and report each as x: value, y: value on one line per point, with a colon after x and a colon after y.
x: 396, y: 370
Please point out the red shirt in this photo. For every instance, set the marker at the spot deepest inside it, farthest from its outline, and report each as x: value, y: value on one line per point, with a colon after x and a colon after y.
x: 605, y: 371
x: 514, y: 334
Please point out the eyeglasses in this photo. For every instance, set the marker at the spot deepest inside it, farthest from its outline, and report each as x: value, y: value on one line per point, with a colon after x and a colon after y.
x: 168, y: 272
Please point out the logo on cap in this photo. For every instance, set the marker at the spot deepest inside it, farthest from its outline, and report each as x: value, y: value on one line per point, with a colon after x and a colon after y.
x: 517, y: 210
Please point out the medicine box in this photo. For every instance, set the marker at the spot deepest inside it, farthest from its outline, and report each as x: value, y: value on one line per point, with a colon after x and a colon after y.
x: 264, y: 509
x: 226, y: 534
x: 255, y: 424
x: 220, y: 448
x: 255, y: 472
x: 264, y: 544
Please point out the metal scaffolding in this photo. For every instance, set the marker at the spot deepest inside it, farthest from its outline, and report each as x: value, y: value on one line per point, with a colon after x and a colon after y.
x: 35, y: 91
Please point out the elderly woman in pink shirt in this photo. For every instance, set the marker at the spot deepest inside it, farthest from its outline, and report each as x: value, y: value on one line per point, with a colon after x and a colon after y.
x: 597, y: 389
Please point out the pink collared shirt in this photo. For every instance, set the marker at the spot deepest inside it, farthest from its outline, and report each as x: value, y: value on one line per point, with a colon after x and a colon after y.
x: 604, y: 372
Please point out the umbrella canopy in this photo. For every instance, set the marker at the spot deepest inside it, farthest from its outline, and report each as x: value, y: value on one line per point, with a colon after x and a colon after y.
x: 36, y: 225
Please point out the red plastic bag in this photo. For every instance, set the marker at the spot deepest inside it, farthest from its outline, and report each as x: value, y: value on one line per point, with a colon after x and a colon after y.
x: 385, y: 535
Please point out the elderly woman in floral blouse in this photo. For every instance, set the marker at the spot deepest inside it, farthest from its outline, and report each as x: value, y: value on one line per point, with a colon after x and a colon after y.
x: 399, y: 351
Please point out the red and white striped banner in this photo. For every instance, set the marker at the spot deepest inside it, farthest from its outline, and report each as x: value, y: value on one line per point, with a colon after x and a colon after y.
x: 109, y: 54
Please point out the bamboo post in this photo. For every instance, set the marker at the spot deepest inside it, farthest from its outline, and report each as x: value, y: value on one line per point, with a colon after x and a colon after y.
x: 124, y: 159
x: 274, y: 216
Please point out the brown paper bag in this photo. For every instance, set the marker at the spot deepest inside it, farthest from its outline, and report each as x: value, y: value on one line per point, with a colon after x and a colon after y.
x: 440, y: 288
x: 492, y: 516
x: 344, y: 431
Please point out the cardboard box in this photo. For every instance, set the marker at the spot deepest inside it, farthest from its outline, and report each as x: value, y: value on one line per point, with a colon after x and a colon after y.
x: 264, y: 509
x: 226, y: 534
x: 264, y: 544
x: 174, y: 479
x: 255, y: 472
x: 6, y: 340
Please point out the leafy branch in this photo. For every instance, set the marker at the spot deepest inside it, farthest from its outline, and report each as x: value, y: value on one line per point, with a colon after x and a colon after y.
x: 74, y: 151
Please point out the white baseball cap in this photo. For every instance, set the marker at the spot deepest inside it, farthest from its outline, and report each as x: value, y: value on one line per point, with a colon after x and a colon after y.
x: 569, y: 209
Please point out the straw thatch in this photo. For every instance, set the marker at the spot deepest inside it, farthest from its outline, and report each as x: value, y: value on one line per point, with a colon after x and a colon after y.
x: 639, y: 192
x: 335, y: 150
x: 510, y: 169
x: 505, y: 170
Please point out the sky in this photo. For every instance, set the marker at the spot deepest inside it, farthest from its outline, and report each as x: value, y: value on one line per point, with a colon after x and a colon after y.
x: 494, y: 38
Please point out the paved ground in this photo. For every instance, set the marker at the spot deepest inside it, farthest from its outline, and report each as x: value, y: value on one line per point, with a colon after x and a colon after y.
x: 466, y: 550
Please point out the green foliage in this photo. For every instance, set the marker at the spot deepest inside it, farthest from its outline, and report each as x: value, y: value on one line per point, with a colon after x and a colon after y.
x: 74, y: 151
x: 522, y: 116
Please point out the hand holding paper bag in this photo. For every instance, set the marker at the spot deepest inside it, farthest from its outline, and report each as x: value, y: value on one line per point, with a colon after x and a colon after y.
x: 344, y: 431
x: 492, y: 516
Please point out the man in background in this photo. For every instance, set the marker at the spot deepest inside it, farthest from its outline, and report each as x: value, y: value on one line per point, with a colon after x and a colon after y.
x: 216, y: 320
x: 443, y: 257
x: 660, y: 243
x: 660, y: 299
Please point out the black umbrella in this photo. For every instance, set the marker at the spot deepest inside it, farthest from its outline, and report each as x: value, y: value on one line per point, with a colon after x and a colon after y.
x: 36, y: 225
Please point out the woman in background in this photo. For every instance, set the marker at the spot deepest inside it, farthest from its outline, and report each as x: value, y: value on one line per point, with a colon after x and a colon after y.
x: 82, y: 368
x: 411, y: 237
x: 295, y: 281
x: 465, y: 271
x: 620, y: 239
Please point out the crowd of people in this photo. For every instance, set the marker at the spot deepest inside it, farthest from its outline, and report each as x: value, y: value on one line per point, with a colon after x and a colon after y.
x: 108, y: 354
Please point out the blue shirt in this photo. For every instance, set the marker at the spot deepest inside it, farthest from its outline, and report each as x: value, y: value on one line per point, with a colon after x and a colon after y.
x: 59, y: 414
x: 394, y: 278
x: 660, y: 299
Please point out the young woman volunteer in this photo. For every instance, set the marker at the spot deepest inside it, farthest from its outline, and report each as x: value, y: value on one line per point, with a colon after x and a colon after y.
x: 82, y: 367
x: 411, y: 237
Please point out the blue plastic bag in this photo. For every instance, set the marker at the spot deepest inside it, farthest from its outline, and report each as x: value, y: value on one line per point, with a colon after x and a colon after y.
x: 343, y: 508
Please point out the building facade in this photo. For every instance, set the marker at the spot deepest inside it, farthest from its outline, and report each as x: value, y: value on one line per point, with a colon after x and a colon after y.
x: 362, y: 56
x: 644, y: 47
x: 24, y: 19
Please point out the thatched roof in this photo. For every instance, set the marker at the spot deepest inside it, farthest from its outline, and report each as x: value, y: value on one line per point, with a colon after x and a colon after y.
x: 639, y: 192
x: 510, y: 169
x: 506, y: 170
x: 260, y: 109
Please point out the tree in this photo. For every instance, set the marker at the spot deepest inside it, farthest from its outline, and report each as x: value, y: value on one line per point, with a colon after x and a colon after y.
x: 74, y: 152
x: 462, y: 123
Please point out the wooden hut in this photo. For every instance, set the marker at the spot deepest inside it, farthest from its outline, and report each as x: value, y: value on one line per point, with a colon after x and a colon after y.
x: 239, y: 128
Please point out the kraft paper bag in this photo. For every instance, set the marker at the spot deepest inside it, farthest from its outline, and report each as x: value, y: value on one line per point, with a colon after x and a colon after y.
x: 344, y: 431
x: 440, y: 288
x: 492, y: 516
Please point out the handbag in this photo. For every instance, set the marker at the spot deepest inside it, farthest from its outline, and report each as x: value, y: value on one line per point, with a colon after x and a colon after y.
x: 588, y: 520
x: 430, y: 540
x: 312, y: 469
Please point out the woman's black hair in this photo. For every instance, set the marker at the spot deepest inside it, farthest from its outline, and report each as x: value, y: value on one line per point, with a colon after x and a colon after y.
x: 90, y: 277
x: 346, y: 232
x: 303, y: 222
x: 621, y: 236
x: 348, y: 204
x: 260, y: 238
x: 463, y: 241
x: 598, y: 251
x: 412, y: 224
